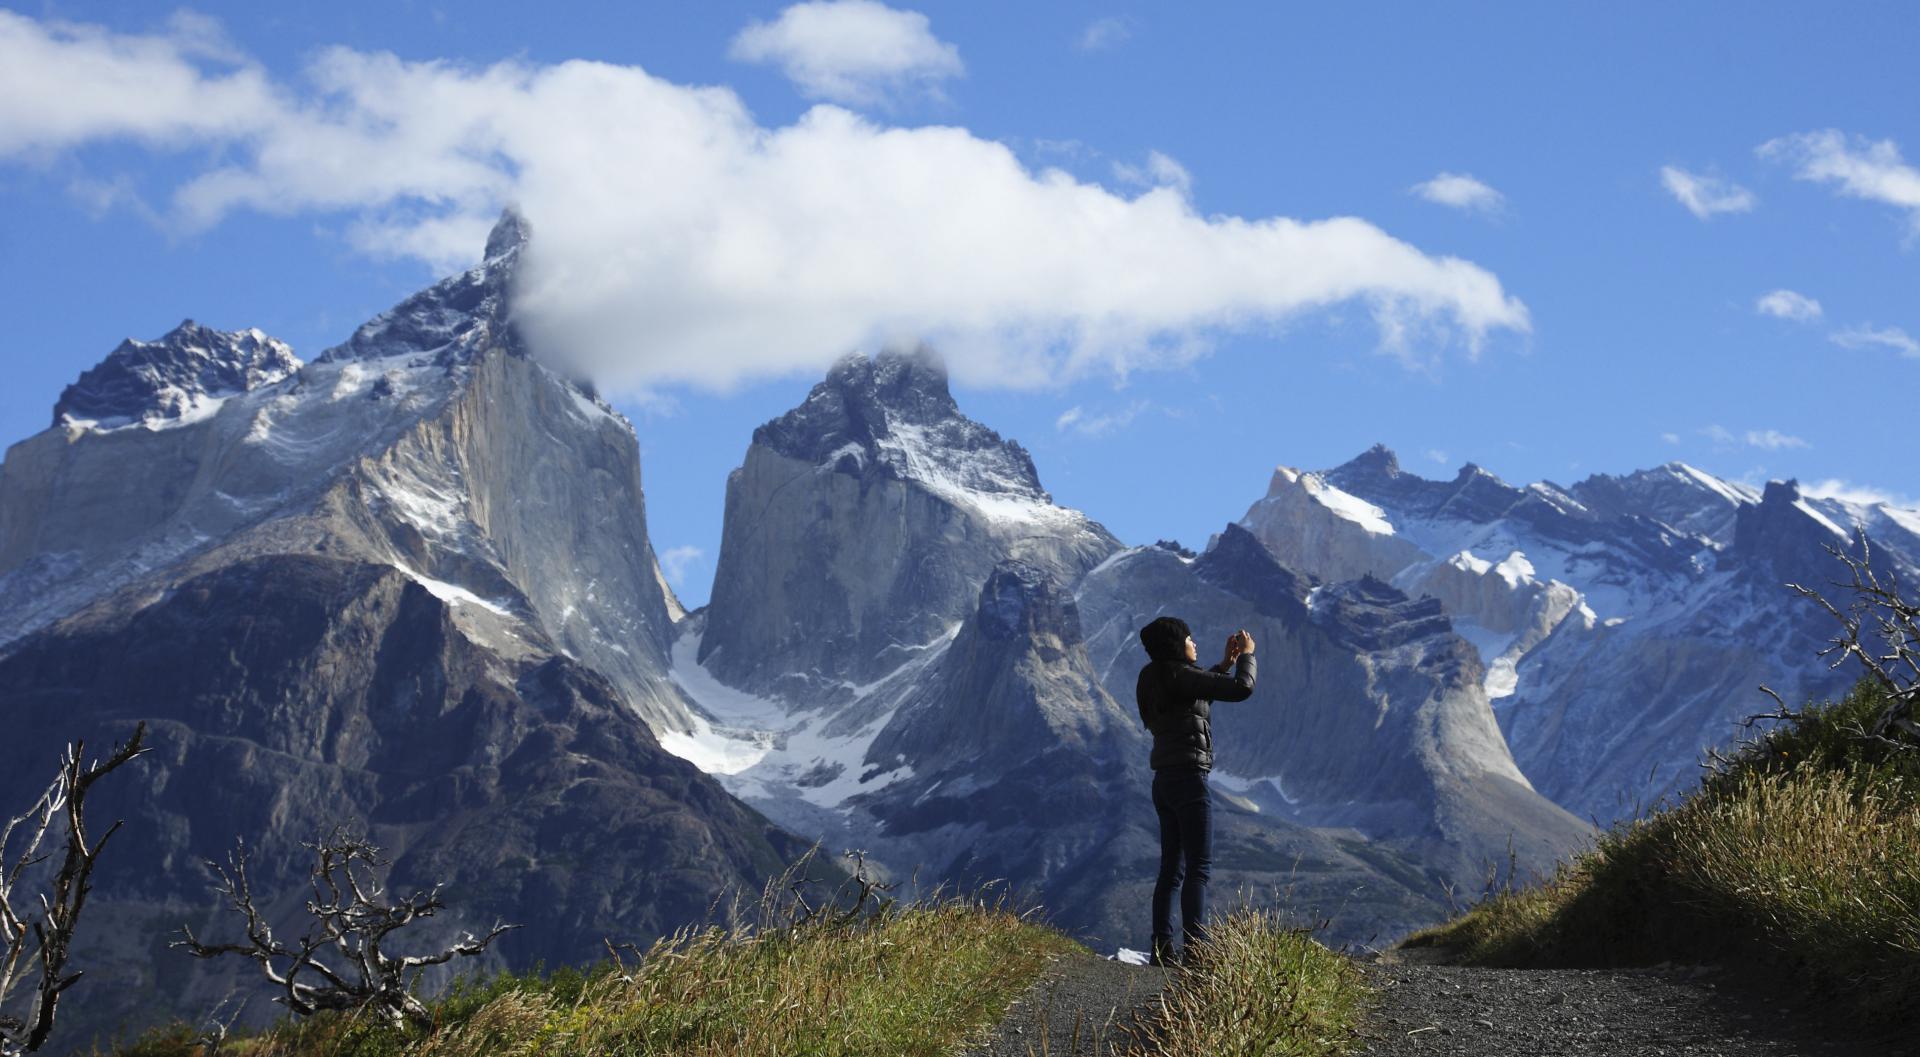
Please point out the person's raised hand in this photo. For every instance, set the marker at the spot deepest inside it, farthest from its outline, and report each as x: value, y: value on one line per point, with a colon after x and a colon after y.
x: 1235, y: 645
x: 1246, y: 641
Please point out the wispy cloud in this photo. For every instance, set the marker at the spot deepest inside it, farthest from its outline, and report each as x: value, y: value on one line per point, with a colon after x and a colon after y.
x: 1869, y: 336
x: 1460, y: 191
x: 1105, y: 34
x: 1670, y: 438
x: 1076, y: 419
x: 1160, y: 170
x: 1767, y: 439
x: 1773, y: 439
x: 1847, y: 491
x: 1704, y: 196
x: 1786, y: 304
x: 859, y: 52
x: 756, y: 251
x: 675, y: 562
x: 1854, y: 165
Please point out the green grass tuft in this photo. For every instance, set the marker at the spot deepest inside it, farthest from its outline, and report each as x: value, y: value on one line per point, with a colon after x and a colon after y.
x: 902, y: 982
x: 1258, y: 989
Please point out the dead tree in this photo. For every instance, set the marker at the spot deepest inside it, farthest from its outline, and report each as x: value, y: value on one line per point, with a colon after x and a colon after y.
x: 58, y: 915
x: 341, y: 963
x: 1890, y: 651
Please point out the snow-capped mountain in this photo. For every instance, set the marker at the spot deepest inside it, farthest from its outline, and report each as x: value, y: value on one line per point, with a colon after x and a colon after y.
x: 861, y: 525
x: 184, y: 376
x: 897, y: 658
x: 407, y: 583
x: 1624, y: 622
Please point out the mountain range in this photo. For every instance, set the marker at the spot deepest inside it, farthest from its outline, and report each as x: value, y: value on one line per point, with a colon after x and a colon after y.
x: 410, y: 583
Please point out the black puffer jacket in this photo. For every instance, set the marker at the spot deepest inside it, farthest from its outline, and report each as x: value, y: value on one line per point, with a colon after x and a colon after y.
x: 1176, y: 703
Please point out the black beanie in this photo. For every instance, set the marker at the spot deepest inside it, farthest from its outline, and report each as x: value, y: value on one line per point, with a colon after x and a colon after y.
x: 1166, y: 639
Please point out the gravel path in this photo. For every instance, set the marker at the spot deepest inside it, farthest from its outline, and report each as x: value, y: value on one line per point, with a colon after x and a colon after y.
x: 1083, y: 1005
x: 1431, y: 1010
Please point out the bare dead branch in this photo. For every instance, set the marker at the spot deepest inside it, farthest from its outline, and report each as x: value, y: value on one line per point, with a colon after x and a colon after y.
x: 60, y: 905
x: 339, y: 964
x: 1881, y: 630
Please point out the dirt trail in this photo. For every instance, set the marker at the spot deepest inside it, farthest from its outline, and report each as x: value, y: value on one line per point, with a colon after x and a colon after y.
x: 1084, y: 1006
x: 1087, y: 1006
x: 1437, y: 1009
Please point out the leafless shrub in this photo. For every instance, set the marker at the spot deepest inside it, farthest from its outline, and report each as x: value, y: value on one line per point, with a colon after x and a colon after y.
x: 58, y: 916
x: 1890, y: 649
x: 786, y: 903
x: 341, y: 962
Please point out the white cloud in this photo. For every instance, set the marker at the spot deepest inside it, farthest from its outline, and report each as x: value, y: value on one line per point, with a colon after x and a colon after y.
x: 1460, y: 191
x: 1848, y: 492
x: 1670, y: 438
x: 1855, y: 165
x: 1768, y: 439
x: 675, y: 561
x: 677, y: 240
x: 1786, y: 304
x: 1103, y: 34
x: 1705, y: 196
x: 1772, y: 439
x: 859, y: 52
x: 62, y: 83
x: 1438, y: 456
x: 1885, y: 337
x: 1159, y: 171
x: 1078, y: 420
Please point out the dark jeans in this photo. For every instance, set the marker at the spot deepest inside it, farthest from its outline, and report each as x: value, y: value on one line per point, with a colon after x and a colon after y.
x: 1185, y: 807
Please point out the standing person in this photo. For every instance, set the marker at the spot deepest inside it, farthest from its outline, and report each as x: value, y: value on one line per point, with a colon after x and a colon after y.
x: 1176, y: 698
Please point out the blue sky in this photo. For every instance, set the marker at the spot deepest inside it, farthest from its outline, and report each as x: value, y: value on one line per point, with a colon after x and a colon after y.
x: 1614, y: 326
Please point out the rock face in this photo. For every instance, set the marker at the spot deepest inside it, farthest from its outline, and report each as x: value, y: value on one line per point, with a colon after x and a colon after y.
x: 1014, y: 682
x: 894, y: 659
x: 861, y: 525
x: 289, y: 691
x: 408, y: 583
x: 1369, y: 714
x: 1623, y: 622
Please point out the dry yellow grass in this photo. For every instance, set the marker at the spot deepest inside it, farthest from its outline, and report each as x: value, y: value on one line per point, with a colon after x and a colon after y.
x: 904, y: 982
x: 1806, y: 845
x: 1259, y: 989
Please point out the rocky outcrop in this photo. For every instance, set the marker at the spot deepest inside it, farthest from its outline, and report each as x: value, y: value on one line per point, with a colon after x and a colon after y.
x: 1015, y: 765
x: 429, y: 440
x: 1689, y: 500
x: 287, y: 693
x: 1612, y: 715
x: 861, y: 525
x: 408, y: 584
x: 183, y: 376
x: 894, y: 660
x: 1369, y: 713
x: 1622, y: 622
x: 1015, y: 683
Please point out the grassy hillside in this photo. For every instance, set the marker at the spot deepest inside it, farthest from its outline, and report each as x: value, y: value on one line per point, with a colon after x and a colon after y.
x: 1803, y: 850
x: 922, y: 979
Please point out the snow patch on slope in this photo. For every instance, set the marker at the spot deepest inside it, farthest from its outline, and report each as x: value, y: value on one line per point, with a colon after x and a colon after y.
x: 997, y: 494
x: 454, y: 594
x: 764, y: 753
x: 1351, y: 507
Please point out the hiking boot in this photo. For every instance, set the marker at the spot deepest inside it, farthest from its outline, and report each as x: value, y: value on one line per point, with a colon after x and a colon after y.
x: 1162, y: 955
